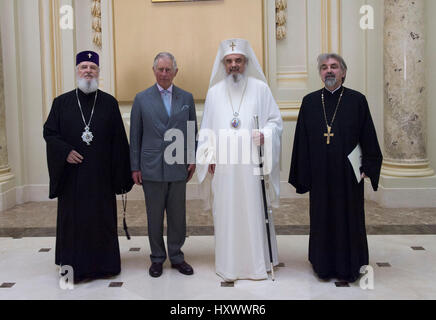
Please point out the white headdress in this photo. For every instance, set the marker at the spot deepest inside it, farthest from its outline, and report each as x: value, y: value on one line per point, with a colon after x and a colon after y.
x: 235, y: 46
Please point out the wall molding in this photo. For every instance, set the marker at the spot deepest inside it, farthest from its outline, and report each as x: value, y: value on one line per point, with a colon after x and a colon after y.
x: 331, y: 38
x: 289, y: 109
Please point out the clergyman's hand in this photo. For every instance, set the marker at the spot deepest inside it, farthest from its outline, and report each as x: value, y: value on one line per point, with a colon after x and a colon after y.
x: 258, y: 138
x: 74, y: 157
x: 137, y: 177
x: 363, y: 175
x: 211, y: 169
x: 191, y: 170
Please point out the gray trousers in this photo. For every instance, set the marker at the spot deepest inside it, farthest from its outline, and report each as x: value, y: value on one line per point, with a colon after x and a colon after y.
x: 169, y: 197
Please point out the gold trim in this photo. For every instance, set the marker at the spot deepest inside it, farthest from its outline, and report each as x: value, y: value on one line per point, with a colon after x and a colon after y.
x: 339, y: 27
x: 73, y: 5
x: 52, y: 50
x: 265, y: 40
x: 329, y: 26
x: 307, y: 35
x: 43, y: 67
x: 323, y: 26
x: 160, y: 1
x: 264, y: 36
x: 114, y: 48
x: 295, y: 74
x: 289, y: 109
x: 58, y: 74
x: 326, y: 26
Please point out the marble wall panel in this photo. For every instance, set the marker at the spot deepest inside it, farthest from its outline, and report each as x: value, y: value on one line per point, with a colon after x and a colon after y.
x: 404, y: 82
x: 3, y: 148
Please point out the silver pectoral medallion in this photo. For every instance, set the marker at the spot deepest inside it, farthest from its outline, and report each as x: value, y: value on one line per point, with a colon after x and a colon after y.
x: 236, y: 122
x: 87, y: 136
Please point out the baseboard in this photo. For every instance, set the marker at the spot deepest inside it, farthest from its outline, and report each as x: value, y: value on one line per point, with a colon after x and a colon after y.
x: 7, y: 199
x: 402, y: 197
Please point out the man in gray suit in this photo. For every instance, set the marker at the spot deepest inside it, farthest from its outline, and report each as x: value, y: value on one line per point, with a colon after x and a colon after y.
x: 159, y: 114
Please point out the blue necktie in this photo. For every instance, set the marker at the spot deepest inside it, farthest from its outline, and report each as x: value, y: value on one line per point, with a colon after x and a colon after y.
x: 166, y: 96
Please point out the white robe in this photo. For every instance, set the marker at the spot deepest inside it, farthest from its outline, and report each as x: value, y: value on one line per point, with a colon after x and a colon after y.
x: 241, y: 247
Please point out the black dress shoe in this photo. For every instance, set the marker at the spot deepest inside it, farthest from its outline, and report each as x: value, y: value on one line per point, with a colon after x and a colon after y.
x: 155, y: 269
x: 183, y: 268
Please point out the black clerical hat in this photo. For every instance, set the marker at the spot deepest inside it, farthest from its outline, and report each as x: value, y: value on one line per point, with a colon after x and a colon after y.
x: 90, y: 56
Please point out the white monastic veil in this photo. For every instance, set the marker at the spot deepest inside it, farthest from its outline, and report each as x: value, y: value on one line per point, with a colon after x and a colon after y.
x: 253, y: 69
x: 235, y: 46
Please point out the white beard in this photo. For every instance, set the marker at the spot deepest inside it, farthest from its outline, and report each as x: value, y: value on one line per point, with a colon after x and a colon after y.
x: 87, y: 86
x: 236, y: 84
x: 236, y: 81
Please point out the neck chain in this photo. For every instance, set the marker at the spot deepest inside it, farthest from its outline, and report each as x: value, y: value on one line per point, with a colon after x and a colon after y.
x: 86, y: 135
x: 236, y: 122
x: 330, y: 134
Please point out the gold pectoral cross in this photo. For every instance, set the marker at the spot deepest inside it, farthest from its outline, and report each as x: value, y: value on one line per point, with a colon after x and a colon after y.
x: 328, y: 134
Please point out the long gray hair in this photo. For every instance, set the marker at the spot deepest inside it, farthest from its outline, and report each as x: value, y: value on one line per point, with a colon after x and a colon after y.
x: 325, y: 56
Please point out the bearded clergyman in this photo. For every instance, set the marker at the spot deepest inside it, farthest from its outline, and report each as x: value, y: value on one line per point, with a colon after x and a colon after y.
x: 88, y: 164
x: 238, y: 91
x: 335, y: 148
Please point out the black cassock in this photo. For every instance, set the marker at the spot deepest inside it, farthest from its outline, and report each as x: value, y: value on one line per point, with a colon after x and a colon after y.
x: 86, y: 234
x: 337, y: 246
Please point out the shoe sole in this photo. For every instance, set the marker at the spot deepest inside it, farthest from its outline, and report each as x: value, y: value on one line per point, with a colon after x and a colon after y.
x: 185, y: 273
x: 154, y: 275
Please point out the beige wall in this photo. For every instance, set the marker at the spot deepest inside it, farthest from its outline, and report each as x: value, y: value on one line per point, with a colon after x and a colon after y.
x: 38, y: 64
x: 191, y: 31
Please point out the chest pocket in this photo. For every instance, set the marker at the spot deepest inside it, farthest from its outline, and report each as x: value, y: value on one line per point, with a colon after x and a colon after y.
x: 182, y: 114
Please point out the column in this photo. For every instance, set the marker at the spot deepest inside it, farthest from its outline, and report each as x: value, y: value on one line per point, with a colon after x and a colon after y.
x: 5, y: 171
x: 405, y: 105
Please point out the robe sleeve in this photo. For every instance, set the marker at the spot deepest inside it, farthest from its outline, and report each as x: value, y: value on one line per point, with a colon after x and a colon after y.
x: 206, y: 153
x: 272, y: 129
x: 57, y: 150
x: 122, y: 181
x: 192, y: 117
x: 135, y: 135
x: 371, y: 154
x: 300, y: 172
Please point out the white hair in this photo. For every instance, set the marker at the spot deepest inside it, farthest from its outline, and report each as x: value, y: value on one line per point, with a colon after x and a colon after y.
x: 164, y: 55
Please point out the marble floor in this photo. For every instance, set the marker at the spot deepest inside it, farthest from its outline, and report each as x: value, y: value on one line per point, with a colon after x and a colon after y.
x: 402, y: 246
x: 403, y: 267
x: 36, y: 219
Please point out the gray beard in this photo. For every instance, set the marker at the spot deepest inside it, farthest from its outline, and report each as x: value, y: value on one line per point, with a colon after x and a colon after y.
x: 236, y: 80
x: 87, y: 86
x: 330, y: 82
